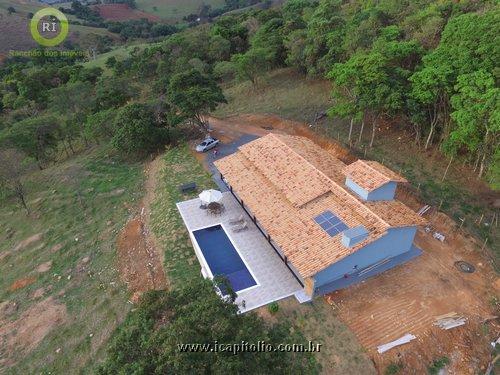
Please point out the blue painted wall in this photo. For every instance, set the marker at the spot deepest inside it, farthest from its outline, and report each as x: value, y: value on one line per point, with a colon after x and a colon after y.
x: 383, y: 193
x: 362, y: 193
x: 356, y: 278
x: 397, y: 241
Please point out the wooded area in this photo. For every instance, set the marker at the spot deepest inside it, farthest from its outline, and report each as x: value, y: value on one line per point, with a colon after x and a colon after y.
x: 430, y: 65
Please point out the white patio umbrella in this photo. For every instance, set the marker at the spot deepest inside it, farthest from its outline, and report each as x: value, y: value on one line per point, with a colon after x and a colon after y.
x: 209, y: 196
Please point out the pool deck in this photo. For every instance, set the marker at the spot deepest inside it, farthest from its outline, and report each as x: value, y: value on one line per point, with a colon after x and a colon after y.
x: 274, y: 280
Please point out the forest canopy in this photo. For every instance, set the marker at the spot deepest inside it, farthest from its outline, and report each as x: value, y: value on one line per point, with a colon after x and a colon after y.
x: 429, y: 66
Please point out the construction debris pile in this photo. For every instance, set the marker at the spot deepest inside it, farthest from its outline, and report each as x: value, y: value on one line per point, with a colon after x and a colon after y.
x: 450, y: 320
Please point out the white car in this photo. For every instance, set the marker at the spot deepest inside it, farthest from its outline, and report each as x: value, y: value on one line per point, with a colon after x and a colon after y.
x: 207, y: 144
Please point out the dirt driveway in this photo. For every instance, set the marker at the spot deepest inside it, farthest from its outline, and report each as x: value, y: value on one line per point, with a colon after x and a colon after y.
x: 408, y: 298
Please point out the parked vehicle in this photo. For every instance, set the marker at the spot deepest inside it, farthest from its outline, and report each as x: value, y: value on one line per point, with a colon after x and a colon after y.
x: 207, y: 144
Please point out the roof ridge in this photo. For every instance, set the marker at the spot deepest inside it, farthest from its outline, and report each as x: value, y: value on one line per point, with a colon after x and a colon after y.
x: 365, y: 162
x: 352, y: 197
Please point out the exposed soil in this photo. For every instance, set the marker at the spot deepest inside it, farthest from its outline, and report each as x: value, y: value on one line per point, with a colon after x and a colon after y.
x: 21, y: 336
x: 44, y: 267
x: 38, y: 293
x: 408, y: 298
x: 139, y: 261
x: 233, y: 127
x: 21, y: 283
x: 28, y: 241
x: 121, y: 12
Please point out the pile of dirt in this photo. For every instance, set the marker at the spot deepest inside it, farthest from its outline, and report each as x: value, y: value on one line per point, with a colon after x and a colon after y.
x: 24, y: 334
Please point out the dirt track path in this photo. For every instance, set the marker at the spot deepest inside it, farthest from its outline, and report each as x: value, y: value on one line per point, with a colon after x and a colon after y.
x: 140, y: 260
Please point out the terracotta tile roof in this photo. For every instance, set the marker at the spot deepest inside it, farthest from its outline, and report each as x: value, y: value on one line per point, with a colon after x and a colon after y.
x: 285, y: 182
x: 371, y: 175
x: 324, y: 161
x: 298, y: 180
x: 395, y: 213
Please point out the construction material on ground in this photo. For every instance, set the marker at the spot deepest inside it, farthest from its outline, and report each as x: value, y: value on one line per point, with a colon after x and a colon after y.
x: 464, y: 266
x: 489, y: 319
x: 439, y: 236
x: 495, y: 343
x: 423, y: 210
x: 402, y: 340
x: 449, y: 321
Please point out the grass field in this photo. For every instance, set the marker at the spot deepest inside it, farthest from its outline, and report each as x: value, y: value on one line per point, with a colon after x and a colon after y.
x: 175, y: 9
x: 292, y: 96
x: 283, y: 92
x: 120, y: 53
x: 180, y: 167
x: 78, y: 207
x: 22, y: 6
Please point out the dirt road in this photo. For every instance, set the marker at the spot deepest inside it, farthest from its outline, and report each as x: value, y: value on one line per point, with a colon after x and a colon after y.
x: 140, y: 260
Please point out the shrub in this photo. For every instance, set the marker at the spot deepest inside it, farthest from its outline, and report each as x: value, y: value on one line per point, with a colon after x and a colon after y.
x: 437, y: 365
x: 273, y: 307
x: 393, y: 369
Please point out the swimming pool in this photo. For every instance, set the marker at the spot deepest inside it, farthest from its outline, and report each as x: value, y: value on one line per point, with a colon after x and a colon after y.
x: 222, y: 258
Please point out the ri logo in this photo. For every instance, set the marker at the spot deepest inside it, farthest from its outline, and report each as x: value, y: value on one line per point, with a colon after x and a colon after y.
x: 52, y: 21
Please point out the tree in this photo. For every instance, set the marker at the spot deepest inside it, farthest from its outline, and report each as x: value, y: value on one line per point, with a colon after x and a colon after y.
x: 110, y: 62
x: 37, y: 137
x: 13, y: 165
x: 252, y: 64
x: 229, y: 28
x: 476, y: 113
x: 99, y: 125
x: 11, y: 10
x: 149, y: 340
x: 269, y: 37
x: 137, y: 131
x: 219, y: 48
x: 75, y: 101
x: 295, y: 44
x: 224, y: 70
x: 112, y: 92
x: 194, y: 95
x: 325, y: 36
x: 468, y: 44
x: 375, y: 81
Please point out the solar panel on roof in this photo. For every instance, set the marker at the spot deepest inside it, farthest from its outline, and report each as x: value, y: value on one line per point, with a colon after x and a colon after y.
x: 330, y: 223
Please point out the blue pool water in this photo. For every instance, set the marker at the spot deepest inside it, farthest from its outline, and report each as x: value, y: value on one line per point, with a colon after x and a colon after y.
x: 222, y: 257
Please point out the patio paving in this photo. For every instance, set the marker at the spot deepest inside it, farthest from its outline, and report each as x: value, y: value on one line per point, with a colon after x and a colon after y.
x: 275, y: 280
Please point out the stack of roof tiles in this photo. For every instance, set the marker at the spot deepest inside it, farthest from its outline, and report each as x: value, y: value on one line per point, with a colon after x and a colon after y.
x: 286, y: 181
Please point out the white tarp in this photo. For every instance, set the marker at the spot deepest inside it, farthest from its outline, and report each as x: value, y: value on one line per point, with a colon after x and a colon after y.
x: 402, y: 340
